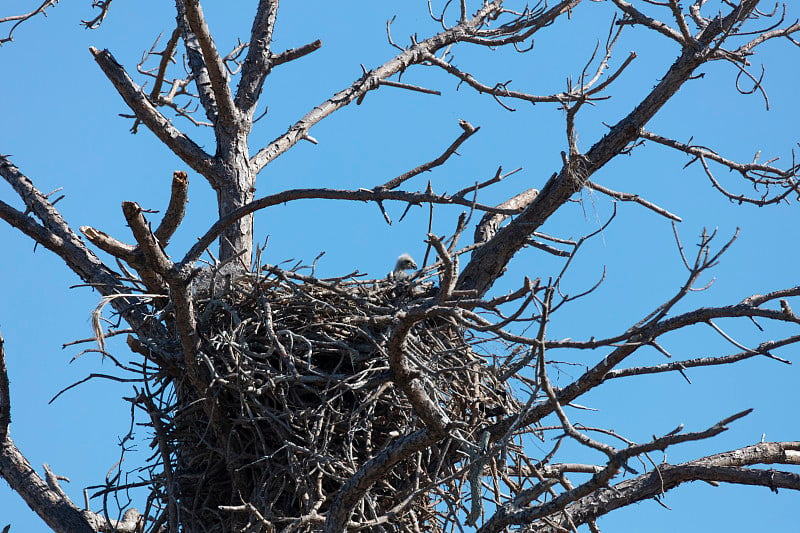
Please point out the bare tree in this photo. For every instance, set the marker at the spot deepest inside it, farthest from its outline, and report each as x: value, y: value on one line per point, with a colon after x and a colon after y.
x: 282, y: 401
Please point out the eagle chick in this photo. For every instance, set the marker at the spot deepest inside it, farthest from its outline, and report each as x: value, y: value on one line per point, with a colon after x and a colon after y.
x: 404, y: 263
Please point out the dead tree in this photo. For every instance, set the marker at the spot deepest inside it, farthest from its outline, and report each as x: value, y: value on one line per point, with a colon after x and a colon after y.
x: 279, y: 401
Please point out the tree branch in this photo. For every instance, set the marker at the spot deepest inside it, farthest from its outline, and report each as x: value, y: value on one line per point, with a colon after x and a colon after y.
x: 197, y: 65
x: 630, y: 342
x: 258, y: 63
x: 511, y: 514
x: 57, y: 512
x: 726, y: 467
x: 5, y: 393
x: 19, y: 19
x: 630, y: 197
x: 56, y: 235
x: 295, y: 53
x: 177, y: 141
x: 634, y: 16
x: 45, y: 497
x: 109, y: 244
x: 500, y: 90
x: 469, y: 131
x: 228, y: 114
x: 762, y: 349
x: 176, y: 208
x: 362, y: 195
x: 759, y: 175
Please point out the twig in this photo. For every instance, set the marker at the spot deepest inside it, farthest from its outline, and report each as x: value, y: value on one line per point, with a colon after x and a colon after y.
x: 629, y: 197
x: 19, y: 19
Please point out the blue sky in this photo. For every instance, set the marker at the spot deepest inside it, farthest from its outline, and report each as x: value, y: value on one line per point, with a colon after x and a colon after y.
x: 61, y: 126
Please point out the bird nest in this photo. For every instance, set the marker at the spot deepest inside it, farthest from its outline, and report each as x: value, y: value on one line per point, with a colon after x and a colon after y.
x: 298, y: 395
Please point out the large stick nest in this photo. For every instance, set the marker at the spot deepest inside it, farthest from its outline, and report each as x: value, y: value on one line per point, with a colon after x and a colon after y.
x: 300, y: 395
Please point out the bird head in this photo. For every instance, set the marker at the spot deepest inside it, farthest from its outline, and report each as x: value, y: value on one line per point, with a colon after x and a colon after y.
x: 404, y: 262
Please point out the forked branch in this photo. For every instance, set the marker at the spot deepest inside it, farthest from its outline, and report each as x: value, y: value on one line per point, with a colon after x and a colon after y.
x: 177, y: 141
